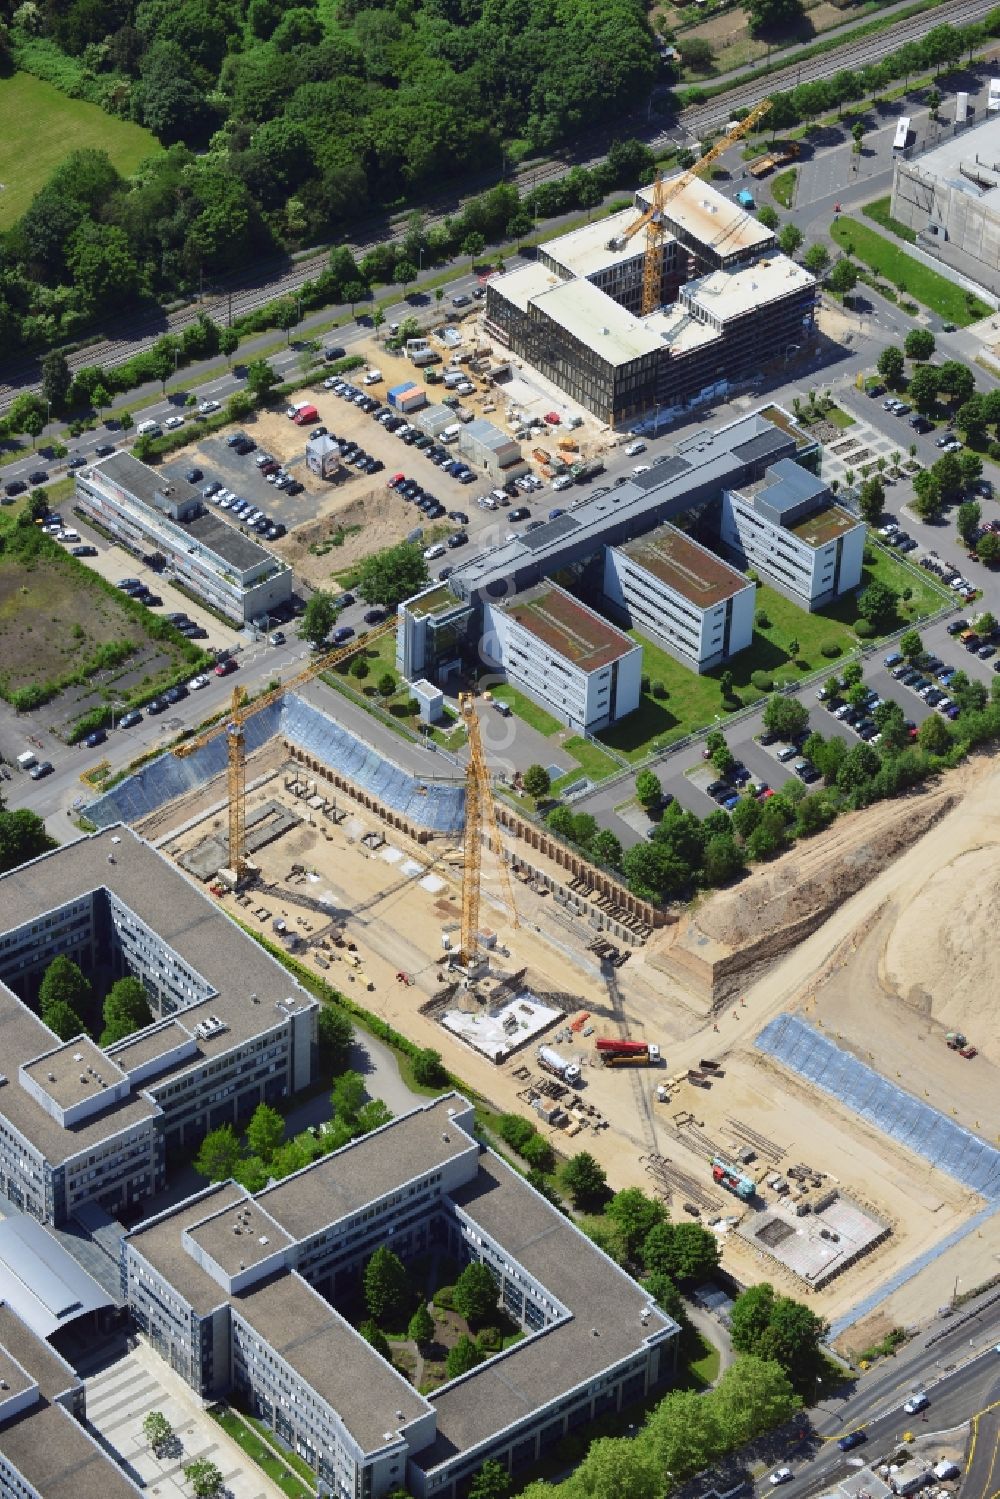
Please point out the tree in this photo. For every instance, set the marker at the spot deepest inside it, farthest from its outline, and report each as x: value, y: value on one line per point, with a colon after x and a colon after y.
x: 421, y: 1328
x: 462, y: 1357
x: 967, y: 520
x: 923, y: 389
x: 817, y: 260
x: 648, y: 790
x: 405, y: 272
x: 335, y: 1035
x: 606, y: 848
x: 666, y: 1295
x: 792, y: 1339
x: 726, y: 685
x: 537, y: 781
x: 394, y: 574
x: 359, y: 667
x: 238, y: 407
x: 956, y: 380
x: 63, y: 1020
x: 56, y: 379
x: 64, y: 983
x: 723, y: 859
x: 126, y: 421
x: 843, y: 278
x: 871, y: 501
x: 890, y: 366
x: 877, y: 603
x: 919, y: 344
x: 476, y: 1294
x: 750, y: 1316
x: 911, y: 645
x: 585, y: 1180
x: 372, y: 1115
x: 386, y: 684
x: 156, y: 1429
x: 428, y: 1069
x: 386, y: 1284
x: 219, y: 1154
x: 772, y: 16
x: 348, y: 1096
x: 933, y: 735
x: 987, y: 550
x: 618, y: 1466
x: 790, y: 239
x: 265, y: 1132
x: 491, y: 1482
x: 376, y: 1338
x: 754, y: 1396
x: 685, y: 1434
x: 261, y: 379
x: 948, y: 472
x: 634, y: 1214
x: 785, y: 716
x: 928, y: 503
x: 767, y: 216
x: 204, y: 1477
x: 285, y: 315
x: 229, y: 342
x: 696, y: 1252
x: 126, y: 1009
x: 971, y: 465
x: 318, y: 617
x: 378, y: 318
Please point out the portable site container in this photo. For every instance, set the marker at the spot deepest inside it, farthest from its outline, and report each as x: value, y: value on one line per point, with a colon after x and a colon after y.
x: 398, y: 390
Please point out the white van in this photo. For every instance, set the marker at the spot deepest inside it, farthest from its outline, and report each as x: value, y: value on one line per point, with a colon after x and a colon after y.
x: 634, y: 449
x: 27, y: 759
x: 563, y: 482
x: 148, y: 429
x: 450, y: 434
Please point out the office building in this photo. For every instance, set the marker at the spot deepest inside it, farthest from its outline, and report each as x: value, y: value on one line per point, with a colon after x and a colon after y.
x: 787, y: 527
x: 564, y: 657
x: 240, y: 1294
x: 46, y: 1451
x: 153, y: 515
x: 681, y: 596
x: 951, y: 197
x: 575, y: 313
x: 82, y: 1124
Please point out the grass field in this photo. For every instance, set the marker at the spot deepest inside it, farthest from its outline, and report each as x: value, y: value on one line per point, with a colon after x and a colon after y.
x: 263, y: 1454
x: 783, y: 187
x: 536, y: 717
x: 39, y: 127
x: 878, y: 212
x: 906, y: 274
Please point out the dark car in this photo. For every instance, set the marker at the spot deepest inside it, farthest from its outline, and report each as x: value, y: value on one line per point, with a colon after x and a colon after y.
x: 38, y: 477
x: 459, y: 516
x: 458, y: 540
x: 520, y: 512
x: 874, y: 391
x: 77, y: 461
x: 16, y: 486
x: 343, y: 601
x: 342, y: 634
x: 852, y: 1439
x: 130, y: 720
x: 175, y: 694
x: 193, y: 475
x: 96, y: 737
x: 334, y: 352
x: 295, y: 487
x: 317, y: 432
x: 104, y: 449
x: 158, y: 705
x: 767, y: 736
x: 42, y: 769
x: 920, y: 424
x: 374, y: 616
x: 84, y: 550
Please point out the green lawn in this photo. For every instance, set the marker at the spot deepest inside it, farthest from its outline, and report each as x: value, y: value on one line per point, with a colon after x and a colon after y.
x: 694, y: 702
x: 878, y: 212
x: 702, y: 1361
x: 264, y: 1455
x: 906, y: 274
x: 535, y: 717
x: 594, y: 763
x: 39, y: 127
x: 783, y: 187
x: 927, y: 596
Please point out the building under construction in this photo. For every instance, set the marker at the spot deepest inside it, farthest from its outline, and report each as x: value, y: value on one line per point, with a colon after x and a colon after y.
x: 722, y: 292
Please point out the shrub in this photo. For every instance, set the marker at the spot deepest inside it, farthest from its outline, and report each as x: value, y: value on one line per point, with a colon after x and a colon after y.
x: 644, y: 684
x: 762, y: 680
x: 658, y: 690
x: 864, y: 629
x: 830, y: 649
x: 994, y: 451
x: 762, y: 620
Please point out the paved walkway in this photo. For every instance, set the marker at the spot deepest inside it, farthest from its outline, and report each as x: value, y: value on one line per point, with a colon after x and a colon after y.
x: 121, y: 1396
x: 713, y: 1332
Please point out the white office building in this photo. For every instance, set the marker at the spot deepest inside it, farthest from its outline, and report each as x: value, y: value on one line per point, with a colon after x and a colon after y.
x: 563, y: 656
x: 789, y: 530
x: 151, y: 513
x: 681, y: 596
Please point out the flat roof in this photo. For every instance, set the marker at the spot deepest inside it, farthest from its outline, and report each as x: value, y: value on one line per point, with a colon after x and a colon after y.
x: 439, y: 600
x: 592, y: 317
x: 240, y: 1236
x: 702, y: 212
x: 144, y: 483
x: 692, y: 571
x: 588, y: 250
x: 46, y: 1368
x: 680, y: 330
x: 69, y: 1074
x: 823, y: 525
x: 727, y: 294
x: 147, y: 1045
x: 55, y: 1454
x: 365, y: 1170
x: 160, y: 1241
x: 568, y: 627
x: 373, y: 1400
x: 245, y: 982
x: 975, y: 148
x: 523, y: 284
x: 16, y: 1379
x: 610, y: 1316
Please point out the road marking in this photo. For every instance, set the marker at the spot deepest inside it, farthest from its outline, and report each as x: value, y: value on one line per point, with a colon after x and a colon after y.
x: 975, y: 1430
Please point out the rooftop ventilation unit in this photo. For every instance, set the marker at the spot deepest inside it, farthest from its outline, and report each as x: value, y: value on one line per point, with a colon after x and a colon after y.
x: 51, y: 1076
x: 263, y: 1239
x: 78, y: 1056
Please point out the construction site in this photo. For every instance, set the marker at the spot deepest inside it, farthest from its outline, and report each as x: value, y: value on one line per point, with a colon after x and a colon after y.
x: 800, y: 1091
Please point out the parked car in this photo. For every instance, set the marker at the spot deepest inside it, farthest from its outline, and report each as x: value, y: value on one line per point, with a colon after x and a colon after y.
x: 852, y: 1439
x: 129, y: 720
x: 158, y: 705
x: 225, y: 668
x: 41, y: 770
x: 196, y: 683
x: 95, y: 737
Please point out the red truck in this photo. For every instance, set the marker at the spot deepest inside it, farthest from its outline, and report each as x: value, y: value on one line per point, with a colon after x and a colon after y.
x: 304, y: 414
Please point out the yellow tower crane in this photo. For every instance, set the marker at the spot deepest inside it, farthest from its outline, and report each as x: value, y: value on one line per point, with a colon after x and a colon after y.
x: 233, y: 727
x: 479, y: 810
x: 663, y: 191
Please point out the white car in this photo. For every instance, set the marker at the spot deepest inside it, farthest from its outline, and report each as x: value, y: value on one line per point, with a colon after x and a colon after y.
x: 207, y: 407
x: 173, y: 422
x: 634, y: 449
x: 641, y: 468
x: 437, y: 550
x: 780, y: 1475
x: 916, y: 1402
x: 197, y: 682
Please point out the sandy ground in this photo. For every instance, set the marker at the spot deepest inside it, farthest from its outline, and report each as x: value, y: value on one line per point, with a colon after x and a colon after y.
x: 879, y: 974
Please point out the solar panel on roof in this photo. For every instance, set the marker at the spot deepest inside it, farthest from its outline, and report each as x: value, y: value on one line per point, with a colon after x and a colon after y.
x: 761, y: 445
x: 536, y: 541
x: 662, y: 473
